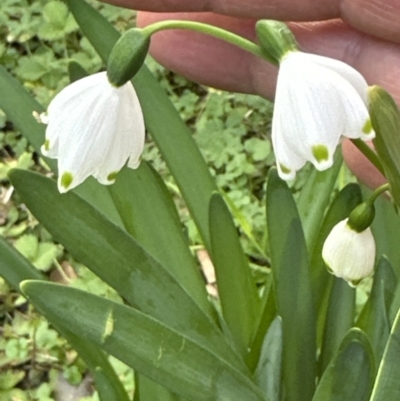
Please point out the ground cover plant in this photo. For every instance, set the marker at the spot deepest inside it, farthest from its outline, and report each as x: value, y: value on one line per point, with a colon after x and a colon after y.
x: 121, y: 272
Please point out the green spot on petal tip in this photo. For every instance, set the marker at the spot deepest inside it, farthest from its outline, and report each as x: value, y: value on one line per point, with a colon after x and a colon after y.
x: 66, y: 180
x: 46, y: 144
x: 285, y: 170
x: 112, y: 176
x: 321, y: 153
x: 367, y: 128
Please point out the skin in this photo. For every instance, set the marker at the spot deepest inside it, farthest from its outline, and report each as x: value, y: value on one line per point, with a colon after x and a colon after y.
x: 362, y: 33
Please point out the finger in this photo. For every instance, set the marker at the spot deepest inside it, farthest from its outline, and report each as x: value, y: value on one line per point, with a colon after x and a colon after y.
x: 375, y: 17
x: 365, y: 171
x: 215, y: 63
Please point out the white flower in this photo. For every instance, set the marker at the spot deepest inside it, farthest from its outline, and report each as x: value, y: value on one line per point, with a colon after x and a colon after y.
x: 318, y: 100
x: 94, y: 128
x: 349, y: 254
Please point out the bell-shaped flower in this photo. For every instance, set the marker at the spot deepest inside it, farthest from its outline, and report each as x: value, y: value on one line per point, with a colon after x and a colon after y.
x: 349, y: 254
x: 318, y: 100
x: 93, y: 128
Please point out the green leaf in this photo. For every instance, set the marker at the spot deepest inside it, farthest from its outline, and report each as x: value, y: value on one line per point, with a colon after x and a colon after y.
x: 385, y: 117
x: 269, y: 369
x: 350, y: 375
x: 236, y: 287
x: 148, y: 390
x: 291, y: 273
x: 14, y: 268
x: 374, y: 318
x: 167, y: 129
x: 115, y: 257
x: 145, y: 344
x: 387, y: 383
x: 317, y: 192
x: 76, y: 71
x: 148, y: 213
x: 339, y: 319
x: 19, y: 105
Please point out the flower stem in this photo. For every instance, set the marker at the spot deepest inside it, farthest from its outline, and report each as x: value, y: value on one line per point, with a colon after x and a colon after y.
x: 378, y: 191
x: 208, y: 30
x: 369, y: 154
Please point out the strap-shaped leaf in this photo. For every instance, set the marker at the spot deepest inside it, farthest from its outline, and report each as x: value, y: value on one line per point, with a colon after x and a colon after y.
x: 115, y: 256
x: 317, y: 192
x: 149, y: 215
x: 350, y: 375
x: 167, y: 129
x: 338, y: 321
x: 145, y: 344
x: 291, y: 274
x: 387, y: 383
x: 374, y: 318
x: 385, y: 117
x: 236, y: 287
x: 14, y: 268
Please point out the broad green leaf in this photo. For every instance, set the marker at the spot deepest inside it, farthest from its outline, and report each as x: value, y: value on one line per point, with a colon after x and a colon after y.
x: 349, y: 376
x: 148, y: 346
x: 386, y: 229
x: 339, y: 319
x: 387, y: 383
x: 149, y: 215
x: 374, y: 318
x: 236, y: 287
x: 167, y: 129
x: 14, y: 268
x: 76, y: 71
x: 266, y: 317
x: 148, y: 390
x: 314, y: 199
x: 385, y: 117
x: 117, y: 258
x: 19, y: 105
x: 292, y: 284
x: 269, y: 369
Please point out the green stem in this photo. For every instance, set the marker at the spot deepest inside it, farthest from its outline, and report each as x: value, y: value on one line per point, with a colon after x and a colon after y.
x: 378, y: 191
x: 208, y: 30
x: 369, y: 154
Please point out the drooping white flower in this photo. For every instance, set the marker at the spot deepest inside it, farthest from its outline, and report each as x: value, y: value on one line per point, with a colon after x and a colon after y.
x: 93, y: 128
x: 349, y: 254
x: 318, y: 100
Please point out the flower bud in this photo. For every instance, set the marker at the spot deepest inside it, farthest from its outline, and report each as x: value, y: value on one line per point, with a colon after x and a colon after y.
x: 348, y: 253
x: 276, y: 39
x: 127, y: 56
x: 362, y: 216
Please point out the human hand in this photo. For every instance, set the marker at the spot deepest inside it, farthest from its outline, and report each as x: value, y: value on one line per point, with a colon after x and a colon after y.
x: 362, y: 33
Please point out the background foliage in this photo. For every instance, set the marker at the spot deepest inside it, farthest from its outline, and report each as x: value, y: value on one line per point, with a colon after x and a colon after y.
x: 37, y: 41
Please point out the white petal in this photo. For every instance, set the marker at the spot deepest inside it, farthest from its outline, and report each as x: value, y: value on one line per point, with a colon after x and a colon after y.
x: 128, y: 136
x: 346, y: 71
x: 311, y: 113
x: 349, y: 254
x: 314, y: 106
x: 132, y: 115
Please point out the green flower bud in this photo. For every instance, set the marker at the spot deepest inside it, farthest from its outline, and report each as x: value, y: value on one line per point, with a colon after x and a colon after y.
x: 276, y: 39
x: 127, y: 56
x: 362, y: 217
